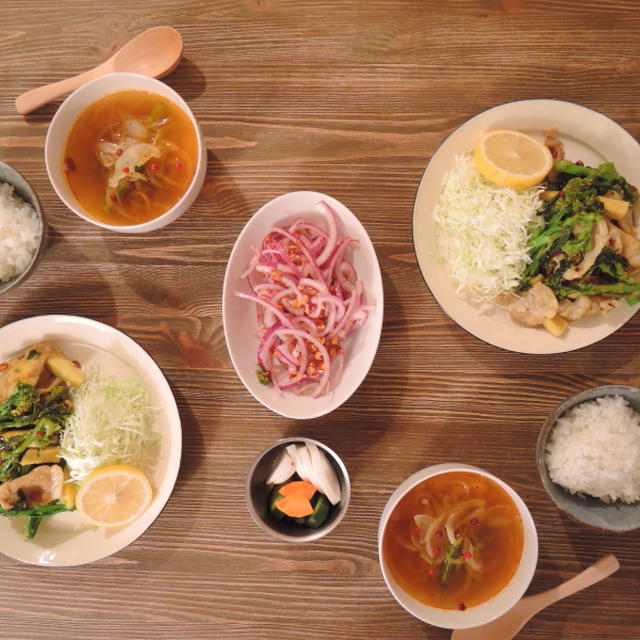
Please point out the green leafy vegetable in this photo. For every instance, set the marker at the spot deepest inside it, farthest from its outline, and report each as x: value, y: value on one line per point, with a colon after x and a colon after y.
x: 449, y: 562
x: 34, y: 514
x: 263, y: 376
x: 567, y: 235
x: 42, y: 420
x: 604, y: 178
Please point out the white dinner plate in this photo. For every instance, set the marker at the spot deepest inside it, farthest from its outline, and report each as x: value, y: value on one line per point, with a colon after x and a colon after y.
x: 588, y: 136
x: 64, y: 539
x: 239, y: 315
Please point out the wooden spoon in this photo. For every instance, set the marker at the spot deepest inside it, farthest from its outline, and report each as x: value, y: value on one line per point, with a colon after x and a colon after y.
x: 154, y: 52
x: 507, y: 625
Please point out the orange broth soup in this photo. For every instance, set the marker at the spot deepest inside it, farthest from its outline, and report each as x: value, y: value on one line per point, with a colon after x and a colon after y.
x: 130, y: 157
x: 454, y: 541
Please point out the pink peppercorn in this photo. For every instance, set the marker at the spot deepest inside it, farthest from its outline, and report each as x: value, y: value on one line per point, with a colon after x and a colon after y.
x: 154, y: 166
x: 125, y: 170
x: 113, y: 197
x: 178, y: 164
x: 438, y: 534
x: 436, y: 551
x: 118, y: 152
x: 473, y: 521
x: 467, y: 554
x: 462, y: 606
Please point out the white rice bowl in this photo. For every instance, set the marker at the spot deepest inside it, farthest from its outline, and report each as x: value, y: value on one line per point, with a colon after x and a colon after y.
x: 20, y: 230
x: 594, y: 449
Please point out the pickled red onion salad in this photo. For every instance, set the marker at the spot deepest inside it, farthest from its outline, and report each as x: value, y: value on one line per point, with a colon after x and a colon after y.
x: 309, y: 300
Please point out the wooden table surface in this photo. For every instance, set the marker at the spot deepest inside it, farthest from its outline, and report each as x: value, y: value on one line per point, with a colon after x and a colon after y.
x: 350, y: 98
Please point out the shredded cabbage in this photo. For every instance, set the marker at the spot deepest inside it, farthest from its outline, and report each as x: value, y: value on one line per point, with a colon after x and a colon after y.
x: 482, y: 231
x: 112, y: 423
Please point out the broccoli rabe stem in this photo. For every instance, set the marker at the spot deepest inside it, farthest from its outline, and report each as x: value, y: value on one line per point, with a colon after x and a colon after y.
x: 565, y: 166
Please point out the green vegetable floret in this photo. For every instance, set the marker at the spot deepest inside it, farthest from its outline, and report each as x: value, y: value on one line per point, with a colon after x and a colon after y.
x: 605, y: 178
x: 21, y: 402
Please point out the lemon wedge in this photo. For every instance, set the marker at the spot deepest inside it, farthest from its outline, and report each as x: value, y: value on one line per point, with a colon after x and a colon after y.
x: 512, y: 159
x: 114, y: 496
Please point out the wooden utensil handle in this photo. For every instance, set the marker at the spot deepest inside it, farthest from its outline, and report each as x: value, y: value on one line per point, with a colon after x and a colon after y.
x: 34, y: 98
x: 596, y: 572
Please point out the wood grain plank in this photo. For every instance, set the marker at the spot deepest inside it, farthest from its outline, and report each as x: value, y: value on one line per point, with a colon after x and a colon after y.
x: 351, y: 99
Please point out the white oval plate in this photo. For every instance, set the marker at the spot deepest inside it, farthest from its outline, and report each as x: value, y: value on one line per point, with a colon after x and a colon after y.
x: 588, y: 136
x: 64, y: 539
x: 239, y: 315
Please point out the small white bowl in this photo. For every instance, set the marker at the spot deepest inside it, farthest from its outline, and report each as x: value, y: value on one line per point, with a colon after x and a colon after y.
x: 69, y: 112
x: 239, y: 315
x: 492, y: 608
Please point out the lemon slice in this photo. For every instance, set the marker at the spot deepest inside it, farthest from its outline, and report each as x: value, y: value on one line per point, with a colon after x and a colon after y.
x: 114, y: 496
x: 512, y: 159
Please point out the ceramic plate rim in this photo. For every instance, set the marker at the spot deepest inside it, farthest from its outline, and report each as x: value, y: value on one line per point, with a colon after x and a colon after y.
x: 267, y: 215
x: 580, y: 123
x: 82, y: 330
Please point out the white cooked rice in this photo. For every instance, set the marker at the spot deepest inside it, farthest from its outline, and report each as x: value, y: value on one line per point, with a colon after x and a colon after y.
x: 594, y: 449
x: 20, y: 229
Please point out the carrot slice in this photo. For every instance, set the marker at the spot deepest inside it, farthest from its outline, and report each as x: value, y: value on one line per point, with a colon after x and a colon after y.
x: 295, y: 505
x: 298, y: 486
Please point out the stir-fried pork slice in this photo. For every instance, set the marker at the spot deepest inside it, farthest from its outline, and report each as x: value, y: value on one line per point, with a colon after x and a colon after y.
x: 585, y: 306
x: 534, y: 306
x: 627, y: 224
x: 600, y: 238
x: 27, y: 368
x: 575, y: 309
x: 625, y: 244
x: 40, y: 486
x: 615, y: 238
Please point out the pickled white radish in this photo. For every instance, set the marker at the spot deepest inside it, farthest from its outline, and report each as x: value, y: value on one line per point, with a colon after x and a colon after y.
x: 312, y: 465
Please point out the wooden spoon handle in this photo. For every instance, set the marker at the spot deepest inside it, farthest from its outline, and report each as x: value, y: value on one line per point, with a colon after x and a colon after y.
x: 34, y: 98
x: 596, y: 572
